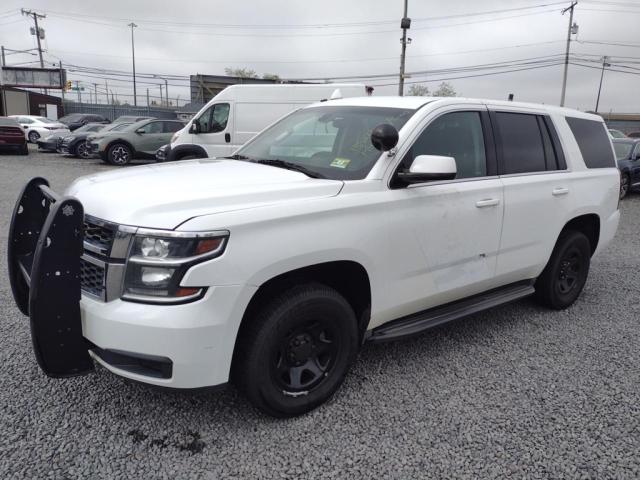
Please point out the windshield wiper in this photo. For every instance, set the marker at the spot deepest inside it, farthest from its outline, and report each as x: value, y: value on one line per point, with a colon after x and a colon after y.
x: 237, y: 156
x: 289, y: 166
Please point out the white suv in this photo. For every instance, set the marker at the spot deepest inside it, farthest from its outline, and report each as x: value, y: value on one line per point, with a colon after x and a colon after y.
x: 347, y: 221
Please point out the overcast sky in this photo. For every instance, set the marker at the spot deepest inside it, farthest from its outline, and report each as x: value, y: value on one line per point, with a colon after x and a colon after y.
x: 179, y: 38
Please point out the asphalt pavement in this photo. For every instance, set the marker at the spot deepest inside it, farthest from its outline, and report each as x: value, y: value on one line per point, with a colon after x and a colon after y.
x: 515, y: 392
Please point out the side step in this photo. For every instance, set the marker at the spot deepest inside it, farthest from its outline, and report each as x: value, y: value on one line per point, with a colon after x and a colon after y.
x: 421, y: 321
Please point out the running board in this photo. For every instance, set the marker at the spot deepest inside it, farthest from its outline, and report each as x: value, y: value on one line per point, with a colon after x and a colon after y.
x: 421, y: 321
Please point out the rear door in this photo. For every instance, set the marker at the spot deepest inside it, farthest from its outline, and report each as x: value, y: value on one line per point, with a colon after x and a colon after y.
x: 537, y: 192
x: 151, y: 137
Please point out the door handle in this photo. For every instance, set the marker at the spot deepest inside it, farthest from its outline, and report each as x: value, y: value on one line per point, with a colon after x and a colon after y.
x: 227, y: 137
x: 560, y: 191
x: 488, y: 202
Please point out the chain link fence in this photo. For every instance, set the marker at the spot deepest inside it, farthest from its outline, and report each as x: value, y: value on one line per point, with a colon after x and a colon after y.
x: 114, y: 111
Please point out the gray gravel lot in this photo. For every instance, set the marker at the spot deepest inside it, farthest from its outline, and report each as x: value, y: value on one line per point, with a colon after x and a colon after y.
x: 518, y: 392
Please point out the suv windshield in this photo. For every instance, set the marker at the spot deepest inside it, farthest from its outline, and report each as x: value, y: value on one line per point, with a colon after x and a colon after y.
x: 333, y: 142
x: 116, y: 127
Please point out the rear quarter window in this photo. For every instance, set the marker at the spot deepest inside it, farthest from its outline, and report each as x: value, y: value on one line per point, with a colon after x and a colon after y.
x: 593, y: 141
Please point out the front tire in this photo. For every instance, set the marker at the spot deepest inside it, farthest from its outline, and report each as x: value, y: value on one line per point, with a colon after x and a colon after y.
x: 119, y: 154
x: 33, y: 136
x: 565, y: 275
x: 82, y: 150
x: 296, y: 351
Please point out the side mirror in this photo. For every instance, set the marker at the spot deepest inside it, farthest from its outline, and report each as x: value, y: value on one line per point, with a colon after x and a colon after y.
x: 427, y: 168
x: 140, y: 131
x: 384, y: 137
x: 195, y: 127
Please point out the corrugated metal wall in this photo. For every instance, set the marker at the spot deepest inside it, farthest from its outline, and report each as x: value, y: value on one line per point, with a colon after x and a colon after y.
x: 114, y: 111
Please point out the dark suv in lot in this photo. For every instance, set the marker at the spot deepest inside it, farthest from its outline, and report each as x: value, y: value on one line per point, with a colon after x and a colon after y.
x: 628, y: 157
x: 77, y: 120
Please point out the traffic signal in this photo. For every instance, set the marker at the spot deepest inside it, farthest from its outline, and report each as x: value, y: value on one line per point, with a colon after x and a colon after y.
x: 67, y: 86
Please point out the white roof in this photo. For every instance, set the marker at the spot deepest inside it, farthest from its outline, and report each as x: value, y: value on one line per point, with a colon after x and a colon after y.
x: 417, y: 102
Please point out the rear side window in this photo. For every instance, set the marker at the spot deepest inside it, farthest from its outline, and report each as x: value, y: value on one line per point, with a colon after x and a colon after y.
x: 171, y: 127
x: 594, y: 142
x: 523, y: 148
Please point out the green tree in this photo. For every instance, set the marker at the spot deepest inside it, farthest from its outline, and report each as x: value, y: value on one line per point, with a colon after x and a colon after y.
x: 418, y: 90
x: 241, y: 72
x: 445, y: 89
x: 271, y: 76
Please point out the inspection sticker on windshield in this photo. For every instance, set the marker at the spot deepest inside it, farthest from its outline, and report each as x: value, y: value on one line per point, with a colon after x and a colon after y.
x: 340, y: 162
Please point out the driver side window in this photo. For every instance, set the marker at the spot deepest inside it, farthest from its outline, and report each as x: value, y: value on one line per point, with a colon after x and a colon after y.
x: 458, y: 135
x: 215, y: 118
x: 153, y: 127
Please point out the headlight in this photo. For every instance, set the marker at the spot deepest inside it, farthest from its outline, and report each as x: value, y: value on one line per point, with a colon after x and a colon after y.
x: 158, y: 261
x: 67, y: 139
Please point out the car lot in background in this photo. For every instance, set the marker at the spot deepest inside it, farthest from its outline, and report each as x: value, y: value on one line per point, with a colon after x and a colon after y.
x: 38, y: 127
x: 130, y: 119
x: 138, y: 140
x: 12, y: 136
x: 518, y: 391
x: 76, y: 120
x: 628, y: 157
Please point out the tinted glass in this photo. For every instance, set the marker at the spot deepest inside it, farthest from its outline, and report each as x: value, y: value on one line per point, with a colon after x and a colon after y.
x: 623, y: 150
x: 153, y: 127
x: 332, y: 141
x: 458, y: 135
x: 594, y: 142
x: 522, y: 145
x: 171, y: 127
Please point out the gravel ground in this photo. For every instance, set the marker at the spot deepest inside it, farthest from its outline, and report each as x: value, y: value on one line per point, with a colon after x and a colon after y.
x: 518, y: 392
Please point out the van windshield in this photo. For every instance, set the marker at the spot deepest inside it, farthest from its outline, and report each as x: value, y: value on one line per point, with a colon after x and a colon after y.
x: 333, y: 142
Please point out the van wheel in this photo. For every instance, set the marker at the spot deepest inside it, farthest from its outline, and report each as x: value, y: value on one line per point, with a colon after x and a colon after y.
x: 565, y: 275
x: 296, y: 351
x: 119, y: 154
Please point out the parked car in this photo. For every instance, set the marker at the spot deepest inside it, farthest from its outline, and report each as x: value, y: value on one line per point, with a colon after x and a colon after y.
x: 36, y: 127
x: 130, y: 119
x: 12, y: 136
x: 628, y: 157
x: 239, y: 112
x: 53, y: 143
x: 633, y: 135
x: 76, y: 120
x: 616, y: 133
x: 75, y: 143
x: 137, y: 140
x: 349, y: 221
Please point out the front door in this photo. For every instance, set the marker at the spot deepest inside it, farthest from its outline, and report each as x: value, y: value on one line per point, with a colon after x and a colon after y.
x: 449, y: 231
x: 216, y: 130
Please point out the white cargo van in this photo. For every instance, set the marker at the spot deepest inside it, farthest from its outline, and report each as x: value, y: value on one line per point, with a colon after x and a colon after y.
x: 239, y: 112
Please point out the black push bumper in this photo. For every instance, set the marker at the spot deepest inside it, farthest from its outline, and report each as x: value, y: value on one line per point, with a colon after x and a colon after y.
x: 45, y: 246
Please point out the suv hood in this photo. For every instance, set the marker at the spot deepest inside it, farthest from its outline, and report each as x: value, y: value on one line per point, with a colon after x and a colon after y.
x: 166, y: 195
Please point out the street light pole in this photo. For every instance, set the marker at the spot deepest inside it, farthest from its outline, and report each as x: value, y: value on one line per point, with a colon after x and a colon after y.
x: 604, y: 64
x: 405, y: 24
x: 566, y: 55
x: 133, y: 57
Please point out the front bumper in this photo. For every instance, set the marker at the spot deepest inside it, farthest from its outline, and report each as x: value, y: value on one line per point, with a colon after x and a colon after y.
x: 182, y: 346
x: 49, y: 144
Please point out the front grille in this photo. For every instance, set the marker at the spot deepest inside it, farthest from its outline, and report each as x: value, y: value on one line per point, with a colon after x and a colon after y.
x: 92, y: 278
x: 99, y: 236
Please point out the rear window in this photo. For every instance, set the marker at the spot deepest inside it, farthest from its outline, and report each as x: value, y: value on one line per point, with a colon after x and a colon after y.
x: 594, y: 142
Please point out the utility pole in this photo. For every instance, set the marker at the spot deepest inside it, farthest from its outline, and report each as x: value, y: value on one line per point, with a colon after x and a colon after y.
x: 64, y: 83
x: 35, y: 17
x: 79, y: 94
x: 160, y: 94
x: 147, y: 99
x: 405, y: 24
x: 604, y: 65
x: 95, y: 92
x: 4, y: 62
x: 133, y: 56
x: 166, y: 91
x: 566, y: 55
x: 106, y: 90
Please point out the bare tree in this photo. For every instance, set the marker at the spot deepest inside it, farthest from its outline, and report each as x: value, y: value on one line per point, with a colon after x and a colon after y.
x: 445, y: 89
x: 271, y: 76
x: 241, y: 72
x: 418, y: 90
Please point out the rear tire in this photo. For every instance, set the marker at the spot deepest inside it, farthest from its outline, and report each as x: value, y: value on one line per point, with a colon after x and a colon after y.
x: 296, y: 351
x: 119, y: 154
x: 565, y: 275
x: 625, y: 183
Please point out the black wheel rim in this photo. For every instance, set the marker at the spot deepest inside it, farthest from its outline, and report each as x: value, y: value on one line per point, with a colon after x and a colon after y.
x: 33, y: 136
x: 82, y: 150
x: 305, y: 356
x: 571, y: 273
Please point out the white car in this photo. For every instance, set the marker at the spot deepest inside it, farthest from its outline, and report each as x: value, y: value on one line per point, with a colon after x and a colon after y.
x: 348, y: 221
x: 39, y: 127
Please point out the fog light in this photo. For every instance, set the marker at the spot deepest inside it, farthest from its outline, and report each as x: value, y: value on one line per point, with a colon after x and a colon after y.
x: 155, y: 277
